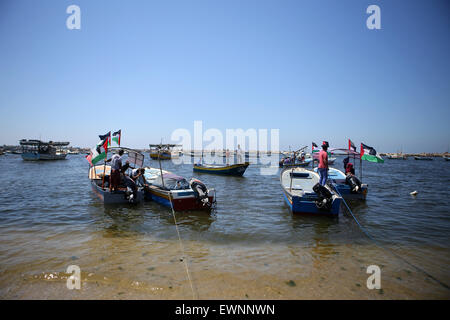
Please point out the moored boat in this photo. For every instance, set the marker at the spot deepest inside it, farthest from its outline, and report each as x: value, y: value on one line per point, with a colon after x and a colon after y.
x: 33, y: 150
x: 176, y: 192
x: 164, y: 151
x: 423, y: 158
x: 99, y: 178
x: 230, y: 170
x: 303, y: 193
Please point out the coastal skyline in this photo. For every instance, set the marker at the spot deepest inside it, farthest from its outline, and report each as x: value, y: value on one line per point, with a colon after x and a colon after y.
x: 313, y: 70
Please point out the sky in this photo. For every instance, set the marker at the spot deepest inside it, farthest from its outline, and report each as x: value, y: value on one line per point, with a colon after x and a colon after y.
x: 311, y: 69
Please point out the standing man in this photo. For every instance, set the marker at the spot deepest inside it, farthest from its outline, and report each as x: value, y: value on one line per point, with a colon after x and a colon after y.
x: 239, y: 154
x: 323, y: 164
x: 116, y: 166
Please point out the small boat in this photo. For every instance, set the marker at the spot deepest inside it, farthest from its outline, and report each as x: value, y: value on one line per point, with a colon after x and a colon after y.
x: 229, y: 170
x: 446, y: 158
x: 303, y: 193
x: 176, y: 192
x: 164, y: 151
x: 289, y: 162
x: 99, y: 178
x: 339, y: 181
x: 33, y: 150
x: 100, y: 187
x: 397, y: 156
x: 423, y: 158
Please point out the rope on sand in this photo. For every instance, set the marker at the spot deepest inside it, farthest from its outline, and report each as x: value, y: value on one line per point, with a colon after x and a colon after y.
x: 182, y: 248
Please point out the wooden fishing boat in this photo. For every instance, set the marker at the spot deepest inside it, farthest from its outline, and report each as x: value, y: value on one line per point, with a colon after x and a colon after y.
x: 100, y: 187
x: 99, y: 178
x: 303, y: 194
x: 423, y: 158
x: 164, y: 151
x: 295, y: 163
x: 174, y: 191
x: 229, y: 170
x: 34, y: 150
x: 397, y: 156
x: 338, y: 180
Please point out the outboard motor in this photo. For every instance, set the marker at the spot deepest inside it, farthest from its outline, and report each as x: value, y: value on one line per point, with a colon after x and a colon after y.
x: 354, y: 183
x: 324, y: 197
x: 200, y: 191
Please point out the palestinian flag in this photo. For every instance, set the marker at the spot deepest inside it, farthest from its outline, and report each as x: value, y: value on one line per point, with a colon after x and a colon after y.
x: 116, y: 137
x: 351, y: 145
x: 314, y: 146
x: 104, y: 143
x: 95, y: 157
x: 370, y: 154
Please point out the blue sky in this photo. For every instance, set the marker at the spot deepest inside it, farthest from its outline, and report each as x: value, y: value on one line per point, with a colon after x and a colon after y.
x: 309, y: 68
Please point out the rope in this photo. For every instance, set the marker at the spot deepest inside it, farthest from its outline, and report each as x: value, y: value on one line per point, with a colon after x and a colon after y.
x: 386, y: 249
x: 182, y: 247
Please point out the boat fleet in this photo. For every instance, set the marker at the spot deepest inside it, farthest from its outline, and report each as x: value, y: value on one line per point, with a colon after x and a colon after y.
x: 299, y: 178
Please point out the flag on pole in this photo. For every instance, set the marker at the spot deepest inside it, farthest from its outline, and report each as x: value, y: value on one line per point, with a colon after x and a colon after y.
x: 351, y: 145
x: 314, y: 146
x: 370, y: 154
x: 116, y: 137
x: 94, y: 157
x: 102, y: 145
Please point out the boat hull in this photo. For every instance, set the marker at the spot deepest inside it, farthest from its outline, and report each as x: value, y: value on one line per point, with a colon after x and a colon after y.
x: 346, y: 193
x: 35, y: 156
x: 233, y: 170
x: 117, y: 197
x: 181, y: 200
x: 299, y: 205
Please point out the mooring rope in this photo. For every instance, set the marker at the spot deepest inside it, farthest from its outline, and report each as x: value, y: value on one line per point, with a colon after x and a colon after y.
x: 387, y: 249
x: 182, y: 247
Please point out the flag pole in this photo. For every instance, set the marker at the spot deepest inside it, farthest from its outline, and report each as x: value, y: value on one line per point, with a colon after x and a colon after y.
x: 160, y: 167
x: 104, y: 161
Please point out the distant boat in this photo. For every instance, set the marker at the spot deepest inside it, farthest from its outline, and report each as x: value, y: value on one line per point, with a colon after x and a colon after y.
x: 303, y: 194
x: 397, y: 156
x: 33, y: 150
x: 229, y: 170
x: 174, y: 191
x: 164, y: 151
x: 423, y: 158
x: 446, y: 158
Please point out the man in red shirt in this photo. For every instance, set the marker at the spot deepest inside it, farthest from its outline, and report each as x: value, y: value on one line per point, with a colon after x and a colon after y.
x: 323, y: 164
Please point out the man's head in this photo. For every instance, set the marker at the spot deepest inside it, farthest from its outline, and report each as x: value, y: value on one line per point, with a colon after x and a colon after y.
x: 120, y: 152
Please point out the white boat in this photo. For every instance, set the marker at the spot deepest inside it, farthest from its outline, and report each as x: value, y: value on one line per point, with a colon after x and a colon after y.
x: 303, y: 194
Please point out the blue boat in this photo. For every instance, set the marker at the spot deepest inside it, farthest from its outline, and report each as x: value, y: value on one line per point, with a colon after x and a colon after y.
x: 303, y: 194
x: 338, y: 180
x: 229, y: 170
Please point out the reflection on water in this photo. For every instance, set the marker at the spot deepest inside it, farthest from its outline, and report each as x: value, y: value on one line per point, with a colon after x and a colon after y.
x: 251, y: 246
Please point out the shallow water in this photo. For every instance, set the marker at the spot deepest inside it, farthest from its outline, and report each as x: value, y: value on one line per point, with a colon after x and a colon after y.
x: 251, y: 246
